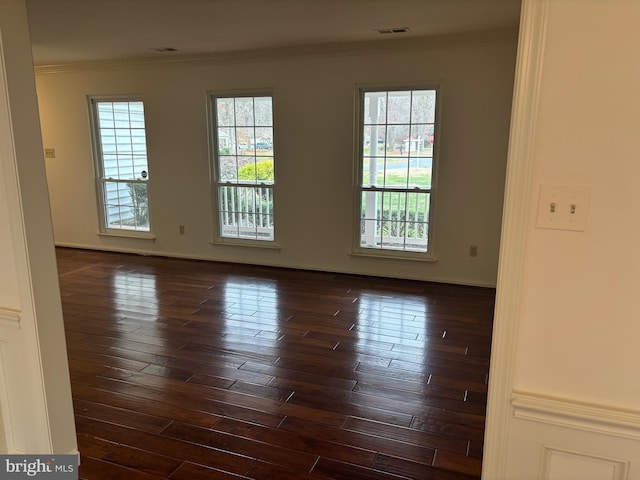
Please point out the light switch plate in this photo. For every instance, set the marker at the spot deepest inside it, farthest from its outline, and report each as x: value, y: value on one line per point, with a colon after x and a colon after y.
x: 563, y: 207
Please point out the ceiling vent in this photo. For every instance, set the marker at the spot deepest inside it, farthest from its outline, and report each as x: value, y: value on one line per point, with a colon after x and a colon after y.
x: 393, y: 30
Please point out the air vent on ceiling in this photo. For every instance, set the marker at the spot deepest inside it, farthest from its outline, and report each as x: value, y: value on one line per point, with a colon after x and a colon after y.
x: 394, y: 30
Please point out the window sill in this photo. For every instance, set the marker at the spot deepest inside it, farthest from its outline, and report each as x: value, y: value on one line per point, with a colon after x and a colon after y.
x: 384, y: 255
x: 246, y: 243
x: 132, y: 235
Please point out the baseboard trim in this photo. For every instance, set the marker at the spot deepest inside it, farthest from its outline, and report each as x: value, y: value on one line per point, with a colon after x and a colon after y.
x: 170, y: 254
x: 576, y: 414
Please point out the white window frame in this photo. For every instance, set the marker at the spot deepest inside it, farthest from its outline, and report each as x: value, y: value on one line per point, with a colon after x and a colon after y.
x: 218, y: 184
x: 101, y: 179
x: 378, y: 252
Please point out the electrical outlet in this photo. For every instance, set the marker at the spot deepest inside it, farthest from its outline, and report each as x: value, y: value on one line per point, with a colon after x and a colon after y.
x: 181, y: 229
x: 473, y: 251
x: 563, y: 207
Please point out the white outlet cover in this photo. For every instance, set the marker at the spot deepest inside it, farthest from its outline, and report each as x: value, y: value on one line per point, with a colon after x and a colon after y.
x: 563, y: 207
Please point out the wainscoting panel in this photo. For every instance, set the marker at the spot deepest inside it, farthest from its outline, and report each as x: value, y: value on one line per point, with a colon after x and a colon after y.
x: 554, y: 438
x: 558, y: 464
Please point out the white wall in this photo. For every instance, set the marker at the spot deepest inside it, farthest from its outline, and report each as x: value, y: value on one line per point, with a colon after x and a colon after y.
x: 35, y: 394
x: 572, y: 403
x: 314, y: 113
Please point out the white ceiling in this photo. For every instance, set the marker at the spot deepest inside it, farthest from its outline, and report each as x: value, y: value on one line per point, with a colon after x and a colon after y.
x: 64, y: 31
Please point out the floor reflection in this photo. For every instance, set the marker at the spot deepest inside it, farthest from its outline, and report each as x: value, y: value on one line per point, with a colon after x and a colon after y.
x: 395, y: 323
x: 135, y: 294
x: 254, y: 303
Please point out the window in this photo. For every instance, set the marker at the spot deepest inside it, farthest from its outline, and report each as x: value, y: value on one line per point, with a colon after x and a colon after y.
x: 395, y: 169
x: 121, y: 164
x: 244, y: 166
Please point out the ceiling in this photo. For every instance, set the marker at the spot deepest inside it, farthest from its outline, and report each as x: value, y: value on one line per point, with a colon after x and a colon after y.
x: 67, y: 31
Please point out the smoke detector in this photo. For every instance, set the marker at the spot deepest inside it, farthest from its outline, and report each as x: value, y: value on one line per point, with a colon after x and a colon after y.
x: 393, y: 30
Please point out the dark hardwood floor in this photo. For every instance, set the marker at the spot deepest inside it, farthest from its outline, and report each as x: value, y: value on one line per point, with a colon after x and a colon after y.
x: 190, y: 370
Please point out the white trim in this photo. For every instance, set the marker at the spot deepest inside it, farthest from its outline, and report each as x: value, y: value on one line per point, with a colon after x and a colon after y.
x: 514, y: 233
x: 27, y: 388
x: 128, y: 234
x: 387, y: 255
x: 345, y: 271
x: 591, y: 417
x: 9, y: 317
x: 251, y: 243
x: 76, y: 452
x: 621, y: 468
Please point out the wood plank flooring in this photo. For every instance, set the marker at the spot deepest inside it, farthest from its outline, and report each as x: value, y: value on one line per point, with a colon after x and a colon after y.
x: 190, y: 370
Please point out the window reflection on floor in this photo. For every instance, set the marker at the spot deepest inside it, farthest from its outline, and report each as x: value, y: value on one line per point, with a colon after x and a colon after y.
x: 251, y: 300
x: 135, y: 295
x: 396, y: 324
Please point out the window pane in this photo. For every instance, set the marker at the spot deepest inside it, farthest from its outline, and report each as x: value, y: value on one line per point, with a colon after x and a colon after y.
x: 423, y: 106
x: 370, y: 226
x: 227, y: 141
x: 246, y: 139
x: 394, y: 220
x: 264, y: 171
x: 246, y: 212
x: 375, y: 108
x: 417, y: 221
x: 398, y: 141
x: 399, y: 107
x: 225, y: 112
x: 372, y: 171
x: 420, y: 144
x: 245, y: 156
x: 228, y: 168
x: 108, y: 141
x: 420, y: 172
x: 264, y: 141
x: 374, y: 140
x: 126, y: 206
x: 138, y: 142
x: 396, y: 173
x: 125, y: 167
x: 122, y: 155
x: 121, y: 114
x: 397, y: 160
x: 370, y: 238
x: 244, y: 112
x: 105, y: 115
x: 264, y: 112
x: 248, y: 171
x: 136, y: 115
